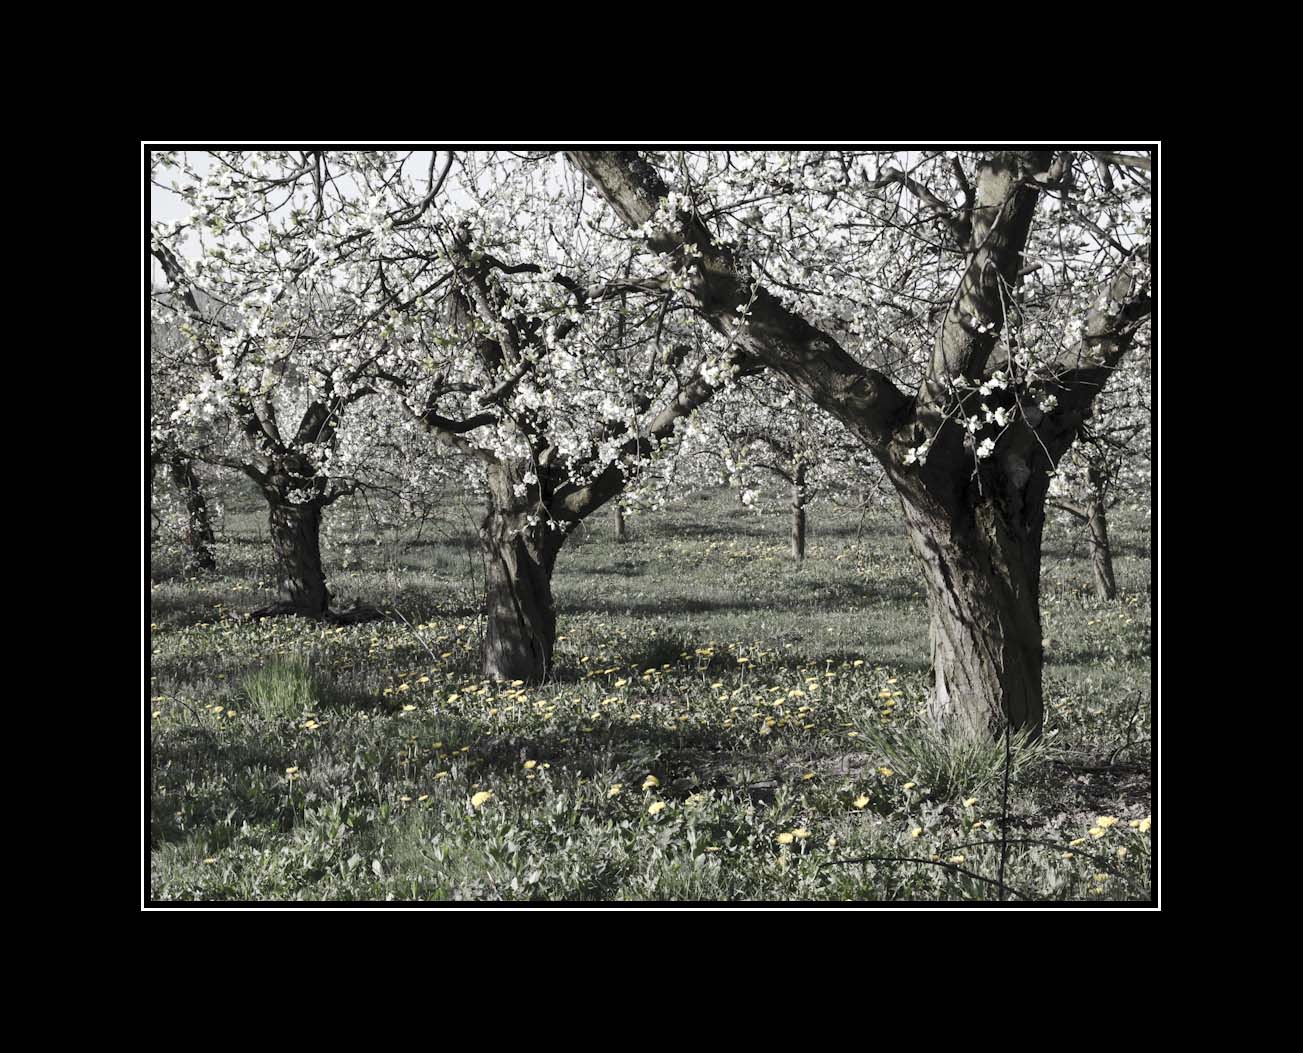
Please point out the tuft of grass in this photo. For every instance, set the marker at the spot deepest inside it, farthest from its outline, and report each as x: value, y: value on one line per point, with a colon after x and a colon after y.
x: 285, y: 687
x: 946, y: 765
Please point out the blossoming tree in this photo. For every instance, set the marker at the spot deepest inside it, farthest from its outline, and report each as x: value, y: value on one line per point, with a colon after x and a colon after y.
x: 890, y: 290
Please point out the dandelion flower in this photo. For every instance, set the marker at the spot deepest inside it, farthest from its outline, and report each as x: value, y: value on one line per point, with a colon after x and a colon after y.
x: 886, y: 773
x: 614, y: 791
x: 531, y: 764
x: 800, y: 833
x: 956, y: 859
x: 481, y: 798
x: 1144, y: 824
x: 656, y: 807
x: 785, y: 839
x: 969, y: 802
x: 650, y: 783
x: 916, y: 832
x: 860, y: 801
x: 1106, y: 821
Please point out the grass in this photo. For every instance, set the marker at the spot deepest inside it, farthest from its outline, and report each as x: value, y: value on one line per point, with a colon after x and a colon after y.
x: 286, y: 686
x: 753, y: 690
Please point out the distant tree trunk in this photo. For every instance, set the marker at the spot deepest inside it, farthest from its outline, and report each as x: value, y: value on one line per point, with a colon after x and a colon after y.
x: 199, y: 538
x: 1100, y: 551
x: 798, y: 511
x: 296, y: 545
x: 981, y: 558
x: 519, y: 558
x: 621, y: 531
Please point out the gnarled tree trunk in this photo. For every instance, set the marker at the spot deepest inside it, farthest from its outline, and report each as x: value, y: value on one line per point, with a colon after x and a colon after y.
x: 519, y: 557
x: 199, y: 527
x: 296, y: 545
x: 981, y: 556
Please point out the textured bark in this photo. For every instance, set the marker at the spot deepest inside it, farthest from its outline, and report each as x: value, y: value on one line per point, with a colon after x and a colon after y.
x: 798, y: 511
x: 981, y: 555
x: 520, y: 633
x: 621, y: 531
x: 199, y: 527
x: 296, y: 545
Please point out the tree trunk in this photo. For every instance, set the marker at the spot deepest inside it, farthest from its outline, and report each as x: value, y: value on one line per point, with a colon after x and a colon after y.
x: 1101, y: 553
x: 798, y: 512
x: 621, y: 531
x: 296, y: 544
x: 981, y: 558
x: 519, y: 558
x: 199, y: 528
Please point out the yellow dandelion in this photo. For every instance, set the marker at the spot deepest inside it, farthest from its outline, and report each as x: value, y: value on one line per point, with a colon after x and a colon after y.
x: 969, y: 802
x: 1096, y: 832
x: 807, y: 776
x: 800, y: 833
x: 916, y: 832
x: 860, y: 801
x: 614, y: 791
x: 531, y: 764
x: 650, y: 783
x: 656, y: 807
x: 785, y: 839
x: 908, y: 786
x: 1106, y: 821
x: 956, y: 859
x: 481, y: 798
x: 886, y: 773
x: 1144, y: 824
x: 1077, y: 841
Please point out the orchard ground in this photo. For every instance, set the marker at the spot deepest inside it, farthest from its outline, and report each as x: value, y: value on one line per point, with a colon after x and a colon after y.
x: 723, y: 724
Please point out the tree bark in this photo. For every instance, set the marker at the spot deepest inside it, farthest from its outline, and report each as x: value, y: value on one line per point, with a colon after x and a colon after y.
x: 621, y: 531
x: 1101, y: 553
x: 296, y: 544
x: 519, y: 557
x: 980, y: 550
x: 798, y: 511
x: 199, y: 528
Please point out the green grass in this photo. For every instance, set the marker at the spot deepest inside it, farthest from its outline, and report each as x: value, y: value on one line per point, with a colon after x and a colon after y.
x: 286, y: 686
x: 753, y: 689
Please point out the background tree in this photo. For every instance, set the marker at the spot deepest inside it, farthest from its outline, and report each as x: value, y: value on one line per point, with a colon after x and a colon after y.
x: 270, y: 311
